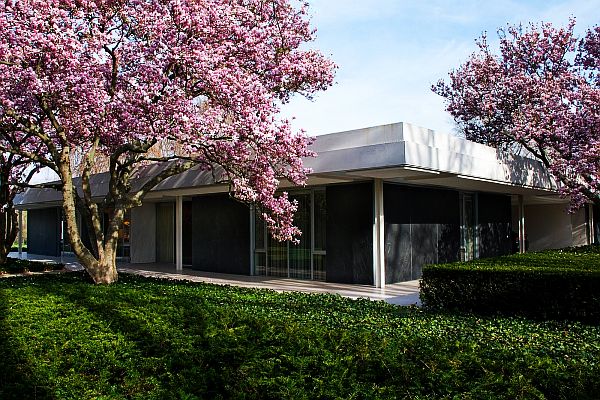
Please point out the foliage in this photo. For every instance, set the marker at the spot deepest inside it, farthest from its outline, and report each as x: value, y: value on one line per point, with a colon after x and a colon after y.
x: 550, y: 284
x: 16, y: 266
x: 109, y: 80
x: 16, y: 248
x: 541, y: 93
x: 155, y: 339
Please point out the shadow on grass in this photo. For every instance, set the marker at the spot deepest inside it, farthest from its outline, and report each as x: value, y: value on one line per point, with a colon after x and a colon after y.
x: 176, y: 355
x: 17, y: 380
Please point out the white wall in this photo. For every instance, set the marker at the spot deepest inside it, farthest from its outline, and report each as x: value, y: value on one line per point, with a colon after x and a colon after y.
x: 549, y: 226
x: 143, y: 234
x: 580, y: 228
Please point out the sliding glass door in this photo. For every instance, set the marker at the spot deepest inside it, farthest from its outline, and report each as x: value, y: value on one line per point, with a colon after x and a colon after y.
x: 304, y: 260
x: 468, y: 226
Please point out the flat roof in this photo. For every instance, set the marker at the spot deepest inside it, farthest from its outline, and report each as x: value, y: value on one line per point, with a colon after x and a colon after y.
x: 399, y: 152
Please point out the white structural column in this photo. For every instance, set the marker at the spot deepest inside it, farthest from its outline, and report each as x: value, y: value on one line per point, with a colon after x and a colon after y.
x: 378, y: 236
x: 521, y: 225
x: 179, y: 233
x: 20, y: 234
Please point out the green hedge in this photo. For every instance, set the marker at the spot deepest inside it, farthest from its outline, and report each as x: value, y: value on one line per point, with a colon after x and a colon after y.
x: 16, y: 248
x: 16, y: 266
x: 559, y: 284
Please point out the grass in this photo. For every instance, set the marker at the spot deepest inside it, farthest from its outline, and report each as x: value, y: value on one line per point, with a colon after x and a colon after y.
x: 61, y: 337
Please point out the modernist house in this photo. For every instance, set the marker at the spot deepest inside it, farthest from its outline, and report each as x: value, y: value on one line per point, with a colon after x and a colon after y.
x: 381, y: 203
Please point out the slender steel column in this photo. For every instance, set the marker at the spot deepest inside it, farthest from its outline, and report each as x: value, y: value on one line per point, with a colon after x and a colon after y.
x: 378, y: 236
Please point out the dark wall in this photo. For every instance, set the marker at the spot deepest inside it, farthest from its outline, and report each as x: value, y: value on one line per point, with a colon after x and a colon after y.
x: 221, y: 235
x: 350, y: 233
x: 495, y: 230
x: 187, y: 230
x: 422, y: 226
x: 43, y: 231
x: 596, y: 217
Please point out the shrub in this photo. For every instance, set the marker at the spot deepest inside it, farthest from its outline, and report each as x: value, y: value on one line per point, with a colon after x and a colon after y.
x: 64, y: 338
x: 558, y: 284
x: 16, y: 266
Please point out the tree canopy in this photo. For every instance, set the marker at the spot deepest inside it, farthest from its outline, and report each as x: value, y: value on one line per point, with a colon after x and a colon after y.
x: 541, y: 92
x: 115, y: 77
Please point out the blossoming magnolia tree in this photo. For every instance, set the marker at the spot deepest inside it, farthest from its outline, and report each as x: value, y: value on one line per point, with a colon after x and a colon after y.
x: 115, y: 77
x: 541, y: 92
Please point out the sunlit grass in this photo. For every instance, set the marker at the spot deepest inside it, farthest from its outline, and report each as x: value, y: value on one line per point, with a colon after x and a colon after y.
x: 61, y: 337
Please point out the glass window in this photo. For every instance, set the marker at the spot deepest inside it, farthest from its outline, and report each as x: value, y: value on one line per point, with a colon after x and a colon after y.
x: 320, y: 223
x: 305, y: 260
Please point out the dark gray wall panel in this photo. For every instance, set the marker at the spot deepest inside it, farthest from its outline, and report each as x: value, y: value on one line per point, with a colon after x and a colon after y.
x: 448, y: 242
x: 187, y: 229
x: 596, y: 218
x: 398, y: 253
x: 425, y: 240
x: 43, y: 231
x: 350, y: 233
x: 221, y: 235
x: 422, y: 226
x: 495, y: 229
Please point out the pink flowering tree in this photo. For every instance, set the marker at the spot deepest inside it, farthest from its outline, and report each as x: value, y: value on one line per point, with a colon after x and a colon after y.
x: 541, y: 93
x: 111, y: 79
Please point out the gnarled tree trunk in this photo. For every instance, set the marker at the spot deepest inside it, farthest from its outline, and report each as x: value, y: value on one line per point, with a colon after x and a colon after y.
x: 8, y: 216
x: 102, y: 266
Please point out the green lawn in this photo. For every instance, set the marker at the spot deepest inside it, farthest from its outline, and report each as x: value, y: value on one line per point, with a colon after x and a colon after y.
x: 61, y: 337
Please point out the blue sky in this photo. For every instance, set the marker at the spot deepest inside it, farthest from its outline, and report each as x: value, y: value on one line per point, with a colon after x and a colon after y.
x: 390, y: 52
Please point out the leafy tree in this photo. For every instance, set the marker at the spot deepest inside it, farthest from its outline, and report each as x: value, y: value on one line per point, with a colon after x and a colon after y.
x: 109, y: 79
x: 541, y: 92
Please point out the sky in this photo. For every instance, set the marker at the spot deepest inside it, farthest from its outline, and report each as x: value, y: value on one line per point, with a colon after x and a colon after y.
x: 390, y: 52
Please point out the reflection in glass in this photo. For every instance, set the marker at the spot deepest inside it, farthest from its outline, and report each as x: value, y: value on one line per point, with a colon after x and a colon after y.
x: 305, y: 260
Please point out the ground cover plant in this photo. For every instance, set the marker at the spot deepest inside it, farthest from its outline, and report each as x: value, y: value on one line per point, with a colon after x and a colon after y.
x: 16, y: 266
x: 61, y: 337
x: 561, y: 284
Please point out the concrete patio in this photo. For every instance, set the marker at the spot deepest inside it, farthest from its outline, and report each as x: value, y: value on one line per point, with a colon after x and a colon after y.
x: 404, y: 293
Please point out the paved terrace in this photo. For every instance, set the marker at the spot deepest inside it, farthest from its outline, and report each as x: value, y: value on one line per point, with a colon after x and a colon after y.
x: 404, y: 293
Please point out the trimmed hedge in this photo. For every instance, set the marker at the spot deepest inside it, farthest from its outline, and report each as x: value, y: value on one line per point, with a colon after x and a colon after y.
x: 16, y: 266
x: 556, y: 284
x: 16, y: 248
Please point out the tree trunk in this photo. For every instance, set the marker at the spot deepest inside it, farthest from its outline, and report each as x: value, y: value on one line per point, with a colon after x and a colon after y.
x: 8, y: 218
x: 102, y: 267
x: 103, y: 272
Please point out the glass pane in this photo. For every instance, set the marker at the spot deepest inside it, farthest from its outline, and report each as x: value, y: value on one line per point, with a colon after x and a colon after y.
x: 320, y: 220
x: 123, y: 242
x: 277, y: 253
x: 319, y: 267
x: 259, y: 232
x: 260, y: 263
x: 468, y: 227
x: 300, y: 253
